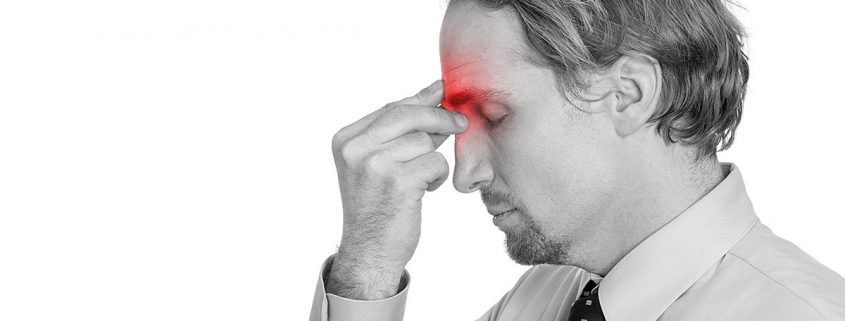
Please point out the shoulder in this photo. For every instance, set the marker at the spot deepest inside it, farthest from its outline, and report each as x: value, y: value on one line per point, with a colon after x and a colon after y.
x: 542, y: 283
x: 530, y: 297
x: 766, y: 276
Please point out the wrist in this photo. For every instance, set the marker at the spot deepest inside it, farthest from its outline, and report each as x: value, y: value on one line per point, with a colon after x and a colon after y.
x: 356, y: 278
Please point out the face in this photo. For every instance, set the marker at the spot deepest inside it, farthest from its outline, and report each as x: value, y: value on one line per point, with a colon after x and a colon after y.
x: 527, y: 149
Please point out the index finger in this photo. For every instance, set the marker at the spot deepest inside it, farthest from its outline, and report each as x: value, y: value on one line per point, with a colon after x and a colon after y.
x: 430, y: 95
x: 404, y: 119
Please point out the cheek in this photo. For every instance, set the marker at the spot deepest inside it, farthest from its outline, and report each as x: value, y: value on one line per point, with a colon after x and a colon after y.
x: 537, y: 167
x: 548, y: 167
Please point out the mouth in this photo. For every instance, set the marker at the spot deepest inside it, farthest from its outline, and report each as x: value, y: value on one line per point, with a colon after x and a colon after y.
x: 498, y: 210
x: 502, y: 213
x: 497, y: 218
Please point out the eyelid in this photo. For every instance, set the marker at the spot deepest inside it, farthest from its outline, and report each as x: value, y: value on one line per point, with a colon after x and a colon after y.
x: 495, y: 120
x: 491, y: 111
x: 484, y: 110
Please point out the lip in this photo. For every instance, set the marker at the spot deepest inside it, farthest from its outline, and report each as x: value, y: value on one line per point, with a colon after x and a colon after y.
x: 496, y: 212
x: 499, y: 218
x: 505, y: 212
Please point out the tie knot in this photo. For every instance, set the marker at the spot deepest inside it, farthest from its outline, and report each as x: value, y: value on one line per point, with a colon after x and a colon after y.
x: 590, y: 289
x: 587, y: 307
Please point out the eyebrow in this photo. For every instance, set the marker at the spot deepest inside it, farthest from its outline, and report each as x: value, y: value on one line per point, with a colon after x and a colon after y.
x: 474, y: 95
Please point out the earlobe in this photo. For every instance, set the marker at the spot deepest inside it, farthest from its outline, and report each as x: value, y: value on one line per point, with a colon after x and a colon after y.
x: 638, y: 81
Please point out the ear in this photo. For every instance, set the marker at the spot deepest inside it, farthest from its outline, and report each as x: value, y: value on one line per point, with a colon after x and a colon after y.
x: 636, y: 81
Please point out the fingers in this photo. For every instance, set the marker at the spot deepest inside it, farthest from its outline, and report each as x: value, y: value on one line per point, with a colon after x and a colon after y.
x: 356, y: 128
x: 402, y: 136
x: 407, y: 147
x: 410, y: 146
x: 430, y: 96
x: 415, y: 153
x: 404, y: 119
x: 385, y: 164
x: 431, y: 168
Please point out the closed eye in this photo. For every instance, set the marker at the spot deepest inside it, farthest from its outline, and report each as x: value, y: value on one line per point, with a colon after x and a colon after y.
x: 494, y: 114
x: 496, y: 122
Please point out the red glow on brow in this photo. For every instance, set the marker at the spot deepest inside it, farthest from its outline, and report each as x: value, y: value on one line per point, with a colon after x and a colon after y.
x: 472, y: 96
x: 456, y: 100
x: 469, y: 96
x: 464, y: 76
x: 466, y: 101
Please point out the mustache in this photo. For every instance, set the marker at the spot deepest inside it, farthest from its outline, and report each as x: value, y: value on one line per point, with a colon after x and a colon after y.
x: 492, y: 197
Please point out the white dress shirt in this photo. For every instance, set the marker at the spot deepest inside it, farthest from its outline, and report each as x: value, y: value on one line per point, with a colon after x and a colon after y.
x: 714, y: 261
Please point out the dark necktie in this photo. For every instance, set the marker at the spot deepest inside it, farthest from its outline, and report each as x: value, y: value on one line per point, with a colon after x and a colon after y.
x: 587, y: 307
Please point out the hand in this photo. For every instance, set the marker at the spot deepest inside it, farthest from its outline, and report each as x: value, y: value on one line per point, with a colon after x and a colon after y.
x: 385, y: 163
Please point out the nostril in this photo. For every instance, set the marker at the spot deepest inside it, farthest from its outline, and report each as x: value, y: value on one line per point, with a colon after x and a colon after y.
x: 473, y: 186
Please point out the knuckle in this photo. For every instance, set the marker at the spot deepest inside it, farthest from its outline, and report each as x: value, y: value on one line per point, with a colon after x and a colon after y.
x: 441, y: 116
x: 431, y: 168
x: 346, y: 151
x: 391, y: 105
x: 372, y: 164
x: 394, y: 180
x: 441, y: 162
x: 396, y: 115
x: 346, y: 156
x: 383, y: 152
x: 391, y: 116
x: 399, y: 112
x: 422, y: 139
x: 337, y: 141
x: 425, y: 92
x: 433, y: 161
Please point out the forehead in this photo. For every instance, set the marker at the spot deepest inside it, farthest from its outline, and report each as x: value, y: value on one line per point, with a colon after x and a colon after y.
x: 479, y: 46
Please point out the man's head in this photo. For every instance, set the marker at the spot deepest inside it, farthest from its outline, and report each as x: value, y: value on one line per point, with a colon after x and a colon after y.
x: 577, y: 107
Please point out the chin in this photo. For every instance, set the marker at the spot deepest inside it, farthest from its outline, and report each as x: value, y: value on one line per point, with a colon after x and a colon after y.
x: 528, y: 245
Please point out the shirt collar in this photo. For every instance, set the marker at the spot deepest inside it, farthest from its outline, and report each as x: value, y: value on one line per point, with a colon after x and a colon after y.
x: 647, y: 280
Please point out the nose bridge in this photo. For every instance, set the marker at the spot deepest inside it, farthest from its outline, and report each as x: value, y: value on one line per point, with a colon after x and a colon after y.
x: 472, y: 163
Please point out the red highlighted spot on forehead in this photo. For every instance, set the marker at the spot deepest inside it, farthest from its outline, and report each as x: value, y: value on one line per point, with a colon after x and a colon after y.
x: 460, y: 98
x: 481, y: 106
x: 467, y: 82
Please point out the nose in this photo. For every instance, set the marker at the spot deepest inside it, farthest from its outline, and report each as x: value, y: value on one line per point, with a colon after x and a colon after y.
x: 472, y: 164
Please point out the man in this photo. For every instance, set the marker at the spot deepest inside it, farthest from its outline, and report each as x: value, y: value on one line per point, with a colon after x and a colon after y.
x: 590, y: 129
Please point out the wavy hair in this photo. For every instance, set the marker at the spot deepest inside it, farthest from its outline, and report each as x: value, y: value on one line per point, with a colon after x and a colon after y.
x: 698, y: 45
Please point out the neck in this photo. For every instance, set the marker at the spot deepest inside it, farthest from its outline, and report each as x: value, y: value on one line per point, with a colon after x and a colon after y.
x: 653, y: 195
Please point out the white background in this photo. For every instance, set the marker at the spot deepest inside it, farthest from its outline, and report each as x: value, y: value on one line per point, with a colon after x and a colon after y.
x: 170, y: 160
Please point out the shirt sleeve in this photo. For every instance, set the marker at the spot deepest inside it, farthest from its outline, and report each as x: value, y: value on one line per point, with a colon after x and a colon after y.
x: 331, y: 307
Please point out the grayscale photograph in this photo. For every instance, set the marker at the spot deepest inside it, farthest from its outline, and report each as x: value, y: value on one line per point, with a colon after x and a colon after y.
x: 491, y: 160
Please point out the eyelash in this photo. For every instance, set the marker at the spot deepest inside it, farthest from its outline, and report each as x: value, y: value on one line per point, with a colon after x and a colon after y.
x: 497, y: 122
